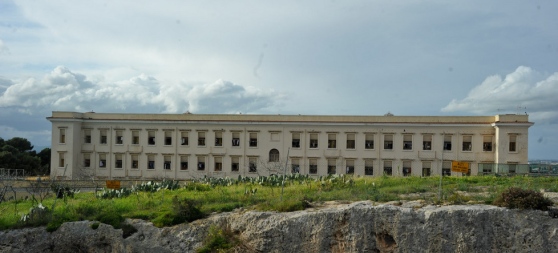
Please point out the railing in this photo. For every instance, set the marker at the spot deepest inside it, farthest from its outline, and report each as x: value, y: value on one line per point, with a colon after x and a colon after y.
x: 518, y: 169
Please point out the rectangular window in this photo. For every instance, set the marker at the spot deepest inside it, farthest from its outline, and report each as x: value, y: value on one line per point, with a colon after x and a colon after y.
x: 407, y: 142
x: 201, y: 162
x: 102, y: 160
x: 388, y: 169
x: 135, y: 161
x: 446, y: 169
x: 313, y: 166
x: 151, y: 162
x: 183, y: 162
x: 236, y: 139
x: 253, y: 139
x: 235, y: 164
x: 168, y: 138
x: 151, y: 138
x: 369, y: 141
x: 406, y: 168
x: 427, y: 142
x: 62, y: 136
x: 486, y: 168
x: 350, y: 167
x: 388, y: 141
x: 368, y: 167
x: 513, y: 147
x: 135, y: 137
x: 313, y: 140
x: 350, y: 141
x: 201, y: 139
x: 487, y: 143
x: 61, y: 160
x: 447, y: 142
x: 118, y: 161
x: 426, y: 168
x: 218, y: 139
x: 167, y: 165
x: 86, y: 160
x: 332, y: 141
x: 467, y: 143
x: 296, y: 140
x: 184, y: 138
x: 87, y: 136
x: 512, y: 168
x: 331, y: 166
x: 119, y: 138
x: 218, y: 164
x: 103, y: 137
x: 295, y: 166
x: 252, y: 164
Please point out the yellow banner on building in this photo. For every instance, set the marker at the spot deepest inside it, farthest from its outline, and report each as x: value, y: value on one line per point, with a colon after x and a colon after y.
x: 460, y: 167
x: 113, y: 184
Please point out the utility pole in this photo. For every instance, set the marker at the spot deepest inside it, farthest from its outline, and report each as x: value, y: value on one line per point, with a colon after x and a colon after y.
x: 441, y: 168
x: 285, y: 173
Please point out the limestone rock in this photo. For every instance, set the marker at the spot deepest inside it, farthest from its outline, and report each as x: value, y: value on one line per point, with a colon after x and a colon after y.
x: 355, y: 227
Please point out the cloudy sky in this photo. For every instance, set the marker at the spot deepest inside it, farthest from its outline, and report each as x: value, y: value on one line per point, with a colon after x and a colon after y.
x: 408, y: 57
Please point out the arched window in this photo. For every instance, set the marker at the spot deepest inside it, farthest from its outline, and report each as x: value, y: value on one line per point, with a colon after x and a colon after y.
x: 274, y: 155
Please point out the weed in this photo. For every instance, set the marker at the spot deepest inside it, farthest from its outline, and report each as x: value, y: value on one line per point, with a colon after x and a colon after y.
x: 219, y: 240
x: 458, y: 199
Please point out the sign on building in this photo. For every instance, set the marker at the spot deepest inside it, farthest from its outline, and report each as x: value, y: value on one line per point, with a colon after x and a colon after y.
x: 113, y: 184
x: 462, y: 167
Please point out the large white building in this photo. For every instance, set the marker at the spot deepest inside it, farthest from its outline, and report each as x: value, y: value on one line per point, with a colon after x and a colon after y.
x: 182, y: 146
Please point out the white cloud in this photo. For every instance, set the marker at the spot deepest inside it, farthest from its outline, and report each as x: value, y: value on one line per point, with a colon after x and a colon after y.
x: 524, y: 89
x: 63, y: 89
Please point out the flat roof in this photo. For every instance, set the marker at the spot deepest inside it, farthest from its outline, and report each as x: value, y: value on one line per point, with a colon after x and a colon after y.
x: 92, y: 116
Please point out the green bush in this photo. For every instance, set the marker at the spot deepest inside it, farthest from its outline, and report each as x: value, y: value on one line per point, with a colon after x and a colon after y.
x: 515, y: 197
x: 38, y: 216
x: 186, y: 210
x: 111, y: 218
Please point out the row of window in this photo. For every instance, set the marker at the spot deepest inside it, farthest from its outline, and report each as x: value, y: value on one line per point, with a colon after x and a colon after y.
x: 200, y: 164
x: 407, y: 144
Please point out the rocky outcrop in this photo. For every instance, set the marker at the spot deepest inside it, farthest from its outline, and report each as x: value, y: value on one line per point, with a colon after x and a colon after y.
x: 355, y: 227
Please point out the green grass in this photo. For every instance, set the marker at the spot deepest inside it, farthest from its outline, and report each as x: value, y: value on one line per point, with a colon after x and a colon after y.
x: 223, y: 196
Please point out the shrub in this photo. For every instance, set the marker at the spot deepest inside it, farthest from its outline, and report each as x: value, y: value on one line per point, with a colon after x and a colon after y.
x: 111, y: 218
x: 515, y: 197
x: 38, y: 215
x: 186, y: 210
x: 62, y: 191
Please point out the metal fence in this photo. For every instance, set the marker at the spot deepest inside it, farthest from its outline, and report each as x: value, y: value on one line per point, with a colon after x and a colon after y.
x: 515, y: 169
x: 10, y: 174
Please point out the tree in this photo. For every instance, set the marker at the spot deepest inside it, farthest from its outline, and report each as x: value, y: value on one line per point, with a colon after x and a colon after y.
x: 17, y: 153
x: 44, y: 156
x: 21, y: 144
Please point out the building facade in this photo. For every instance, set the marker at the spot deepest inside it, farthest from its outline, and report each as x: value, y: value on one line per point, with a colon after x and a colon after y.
x: 184, y: 146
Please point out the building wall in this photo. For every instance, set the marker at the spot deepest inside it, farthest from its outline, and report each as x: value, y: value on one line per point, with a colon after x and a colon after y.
x: 107, y: 142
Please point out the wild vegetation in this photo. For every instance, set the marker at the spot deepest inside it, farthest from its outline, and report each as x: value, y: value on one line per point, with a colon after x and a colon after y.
x: 170, y: 202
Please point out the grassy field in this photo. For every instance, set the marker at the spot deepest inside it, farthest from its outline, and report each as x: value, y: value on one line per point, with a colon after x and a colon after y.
x: 176, y: 202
